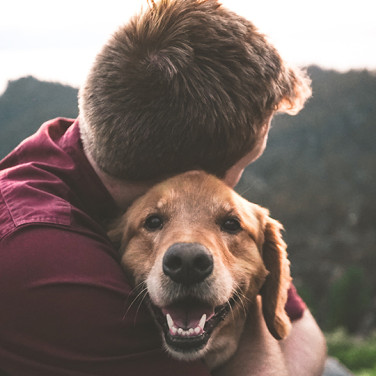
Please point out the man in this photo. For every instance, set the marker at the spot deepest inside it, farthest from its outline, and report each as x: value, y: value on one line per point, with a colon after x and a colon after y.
x: 185, y: 85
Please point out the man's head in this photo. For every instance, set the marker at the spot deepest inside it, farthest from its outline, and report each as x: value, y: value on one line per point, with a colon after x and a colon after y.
x: 185, y: 85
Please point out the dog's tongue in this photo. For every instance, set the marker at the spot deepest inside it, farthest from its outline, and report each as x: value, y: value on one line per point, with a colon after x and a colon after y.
x: 187, y: 315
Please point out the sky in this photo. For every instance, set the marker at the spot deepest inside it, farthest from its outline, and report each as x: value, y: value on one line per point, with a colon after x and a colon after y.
x: 58, y: 40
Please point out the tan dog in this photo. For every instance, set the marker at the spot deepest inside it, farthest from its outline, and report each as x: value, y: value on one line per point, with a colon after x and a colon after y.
x: 202, y: 254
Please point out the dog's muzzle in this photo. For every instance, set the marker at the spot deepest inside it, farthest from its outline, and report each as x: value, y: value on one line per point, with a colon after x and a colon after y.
x: 189, y: 320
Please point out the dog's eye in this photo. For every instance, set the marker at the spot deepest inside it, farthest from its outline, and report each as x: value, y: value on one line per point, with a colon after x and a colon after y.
x: 231, y: 225
x: 153, y: 222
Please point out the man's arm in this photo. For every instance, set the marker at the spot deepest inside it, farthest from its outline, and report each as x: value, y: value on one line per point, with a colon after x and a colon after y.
x: 304, y: 349
x: 67, y: 310
x: 302, y: 353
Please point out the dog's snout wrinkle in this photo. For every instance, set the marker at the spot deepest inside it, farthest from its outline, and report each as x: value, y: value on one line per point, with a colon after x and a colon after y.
x: 187, y: 263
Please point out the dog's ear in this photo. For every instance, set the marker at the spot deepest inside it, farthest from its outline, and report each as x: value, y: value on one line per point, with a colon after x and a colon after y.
x: 115, y: 230
x: 118, y: 232
x: 275, y: 289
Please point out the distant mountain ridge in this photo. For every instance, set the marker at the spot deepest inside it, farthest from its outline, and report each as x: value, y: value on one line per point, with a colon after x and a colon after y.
x: 317, y: 176
x: 27, y: 103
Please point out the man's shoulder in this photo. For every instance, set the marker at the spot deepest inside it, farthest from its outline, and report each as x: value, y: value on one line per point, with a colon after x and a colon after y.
x: 25, y: 201
x: 47, y: 179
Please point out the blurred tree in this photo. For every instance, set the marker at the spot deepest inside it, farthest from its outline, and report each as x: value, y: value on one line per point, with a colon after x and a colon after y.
x: 349, y: 298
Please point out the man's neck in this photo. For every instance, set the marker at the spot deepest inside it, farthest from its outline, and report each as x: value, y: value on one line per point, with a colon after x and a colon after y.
x: 123, y: 192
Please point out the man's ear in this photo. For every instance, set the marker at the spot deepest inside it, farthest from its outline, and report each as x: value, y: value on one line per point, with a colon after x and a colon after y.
x: 275, y: 289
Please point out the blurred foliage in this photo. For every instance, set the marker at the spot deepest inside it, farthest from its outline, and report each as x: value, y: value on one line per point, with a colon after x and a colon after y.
x: 317, y: 176
x: 358, y: 354
x: 349, y: 297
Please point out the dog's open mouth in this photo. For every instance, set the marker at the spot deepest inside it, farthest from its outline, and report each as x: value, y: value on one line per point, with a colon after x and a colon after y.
x: 188, y: 324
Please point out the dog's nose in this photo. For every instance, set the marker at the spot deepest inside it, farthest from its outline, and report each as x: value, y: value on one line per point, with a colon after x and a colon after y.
x: 187, y: 263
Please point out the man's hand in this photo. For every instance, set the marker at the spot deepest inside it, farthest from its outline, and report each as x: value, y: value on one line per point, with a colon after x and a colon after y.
x: 304, y: 349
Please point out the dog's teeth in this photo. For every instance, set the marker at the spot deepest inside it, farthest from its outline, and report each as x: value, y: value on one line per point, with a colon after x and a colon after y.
x: 175, y: 331
x: 202, y: 322
x: 170, y: 322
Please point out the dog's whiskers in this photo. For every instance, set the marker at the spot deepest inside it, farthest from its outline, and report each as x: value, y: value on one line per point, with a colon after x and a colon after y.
x: 144, y: 291
x: 231, y: 310
x: 141, y: 291
x: 243, y: 299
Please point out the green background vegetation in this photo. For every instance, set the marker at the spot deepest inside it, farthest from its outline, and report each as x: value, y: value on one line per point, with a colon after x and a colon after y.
x: 357, y: 353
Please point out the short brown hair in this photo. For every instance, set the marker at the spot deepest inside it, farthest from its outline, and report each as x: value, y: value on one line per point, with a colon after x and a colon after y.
x: 187, y: 84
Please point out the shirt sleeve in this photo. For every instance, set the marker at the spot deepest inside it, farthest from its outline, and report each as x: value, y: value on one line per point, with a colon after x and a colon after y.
x: 67, y: 310
x: 295, y: 306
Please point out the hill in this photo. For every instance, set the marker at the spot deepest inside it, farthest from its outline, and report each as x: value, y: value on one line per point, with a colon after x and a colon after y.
x: 317, y: 177
x: 27, y: 103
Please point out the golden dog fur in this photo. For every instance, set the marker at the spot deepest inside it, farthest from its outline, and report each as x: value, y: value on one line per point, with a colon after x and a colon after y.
x: 247, y: 251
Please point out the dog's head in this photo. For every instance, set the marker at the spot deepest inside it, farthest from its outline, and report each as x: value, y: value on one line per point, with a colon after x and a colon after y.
x: 202, y: 254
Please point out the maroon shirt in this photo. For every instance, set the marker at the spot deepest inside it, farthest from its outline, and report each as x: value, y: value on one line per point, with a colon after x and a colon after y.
x: 65, y: 301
